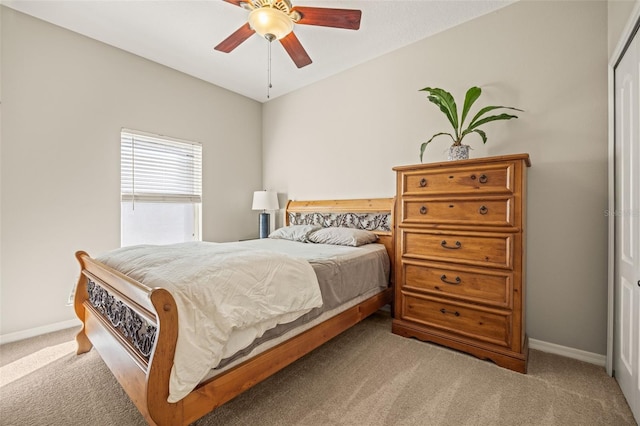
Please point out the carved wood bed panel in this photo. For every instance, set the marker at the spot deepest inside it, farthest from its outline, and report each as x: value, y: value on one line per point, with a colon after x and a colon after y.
x: 134, y: 327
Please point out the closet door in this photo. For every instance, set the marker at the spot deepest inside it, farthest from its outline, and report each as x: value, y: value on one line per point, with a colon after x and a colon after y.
x: 627, y: 226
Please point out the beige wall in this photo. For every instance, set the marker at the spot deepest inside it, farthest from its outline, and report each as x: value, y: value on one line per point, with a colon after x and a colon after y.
x: 339, y: 138
x: 64, y: 100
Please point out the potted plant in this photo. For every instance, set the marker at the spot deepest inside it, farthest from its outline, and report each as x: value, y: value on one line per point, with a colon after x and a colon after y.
x: 444, y: 100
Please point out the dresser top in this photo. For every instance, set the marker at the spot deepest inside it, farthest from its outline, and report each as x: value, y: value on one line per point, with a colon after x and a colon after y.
x: 480, y: 160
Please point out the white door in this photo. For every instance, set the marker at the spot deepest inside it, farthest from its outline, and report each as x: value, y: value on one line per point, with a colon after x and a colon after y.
x: 627, y: 226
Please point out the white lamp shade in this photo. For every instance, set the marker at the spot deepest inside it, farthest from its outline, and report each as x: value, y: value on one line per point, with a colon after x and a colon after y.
x: 265, y: 200
x: 267, y: 20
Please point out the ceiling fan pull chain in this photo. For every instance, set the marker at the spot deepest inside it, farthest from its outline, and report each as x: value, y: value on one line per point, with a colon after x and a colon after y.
x: 269, y: 86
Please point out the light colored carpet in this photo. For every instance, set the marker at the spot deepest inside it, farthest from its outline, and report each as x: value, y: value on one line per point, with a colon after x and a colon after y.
x: 365, y: 376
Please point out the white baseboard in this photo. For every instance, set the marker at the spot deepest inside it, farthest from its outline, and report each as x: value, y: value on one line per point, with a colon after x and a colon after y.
x: 578, y: 354
x: 37, y: 331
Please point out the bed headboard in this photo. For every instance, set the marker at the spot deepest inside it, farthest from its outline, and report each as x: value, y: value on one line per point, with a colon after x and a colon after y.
x: 371, y: 214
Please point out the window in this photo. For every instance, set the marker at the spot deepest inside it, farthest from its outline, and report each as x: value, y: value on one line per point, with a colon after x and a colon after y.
x: 161, y: 189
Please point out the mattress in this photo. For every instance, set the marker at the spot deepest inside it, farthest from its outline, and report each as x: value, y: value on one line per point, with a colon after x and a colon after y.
x: 346, y: 275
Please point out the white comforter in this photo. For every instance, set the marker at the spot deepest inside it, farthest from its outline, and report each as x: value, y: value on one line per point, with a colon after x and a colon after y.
x: 224, y: 293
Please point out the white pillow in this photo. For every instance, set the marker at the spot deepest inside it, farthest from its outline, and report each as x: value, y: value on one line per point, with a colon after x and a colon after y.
x: 342, y: 236
x: 294, y: 232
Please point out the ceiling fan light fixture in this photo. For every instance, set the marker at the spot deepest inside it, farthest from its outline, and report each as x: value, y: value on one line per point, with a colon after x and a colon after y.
x: 270, y: 23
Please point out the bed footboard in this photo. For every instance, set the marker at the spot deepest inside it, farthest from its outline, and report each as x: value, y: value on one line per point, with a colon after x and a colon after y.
x: 135, y: 329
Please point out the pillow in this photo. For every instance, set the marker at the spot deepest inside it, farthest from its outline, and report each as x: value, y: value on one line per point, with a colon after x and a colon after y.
x: 294, y: 232
x: 342, y: 236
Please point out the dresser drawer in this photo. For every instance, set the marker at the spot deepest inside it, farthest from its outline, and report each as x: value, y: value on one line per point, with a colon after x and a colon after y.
x: 488, y: 325
x: 496, y: 178
x: 481, y: 249
x: 458, y: 211
x: 467, y: 284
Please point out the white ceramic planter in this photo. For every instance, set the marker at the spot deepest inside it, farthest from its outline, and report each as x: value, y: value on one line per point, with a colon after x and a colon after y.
x: 458, y: 152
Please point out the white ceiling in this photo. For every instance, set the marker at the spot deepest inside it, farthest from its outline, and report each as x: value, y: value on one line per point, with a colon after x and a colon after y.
x: 181, y: 34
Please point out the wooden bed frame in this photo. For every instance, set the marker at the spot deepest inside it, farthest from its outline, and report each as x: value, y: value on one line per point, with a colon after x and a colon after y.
x: 145, y: 375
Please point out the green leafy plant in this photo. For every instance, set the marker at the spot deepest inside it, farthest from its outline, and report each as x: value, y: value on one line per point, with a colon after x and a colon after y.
x: 444, y: 100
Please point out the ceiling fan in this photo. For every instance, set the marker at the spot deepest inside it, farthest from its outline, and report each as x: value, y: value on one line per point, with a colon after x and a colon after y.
x: 275, y: 19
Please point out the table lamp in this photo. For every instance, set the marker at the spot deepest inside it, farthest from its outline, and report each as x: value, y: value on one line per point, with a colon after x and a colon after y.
x: 265, y: 200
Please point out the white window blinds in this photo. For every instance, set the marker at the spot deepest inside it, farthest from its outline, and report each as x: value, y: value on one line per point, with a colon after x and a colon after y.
x: 158, y: 169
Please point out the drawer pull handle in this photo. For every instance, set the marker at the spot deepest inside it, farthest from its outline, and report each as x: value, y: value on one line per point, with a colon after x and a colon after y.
x: 423, y: 182
x: 444, y: 245
x: 423, y: 210
x: 483, y: 210
x: 443, y: 278
x: 444, y: 311
x: 483, y: 179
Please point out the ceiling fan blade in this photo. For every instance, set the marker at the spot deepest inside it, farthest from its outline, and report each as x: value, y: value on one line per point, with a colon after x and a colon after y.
x: 326, y: 17
x: 294, y: 48
x: 236, y: 2
x: 235, y: 39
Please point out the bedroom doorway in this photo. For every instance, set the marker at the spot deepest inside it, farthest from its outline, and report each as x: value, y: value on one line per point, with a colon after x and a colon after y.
x: 626, y: 222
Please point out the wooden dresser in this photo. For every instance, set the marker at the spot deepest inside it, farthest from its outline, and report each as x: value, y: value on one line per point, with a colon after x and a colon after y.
x: 460, y: 256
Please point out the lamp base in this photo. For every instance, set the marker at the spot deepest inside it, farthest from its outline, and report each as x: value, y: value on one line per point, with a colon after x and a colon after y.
x: 264, y: 225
